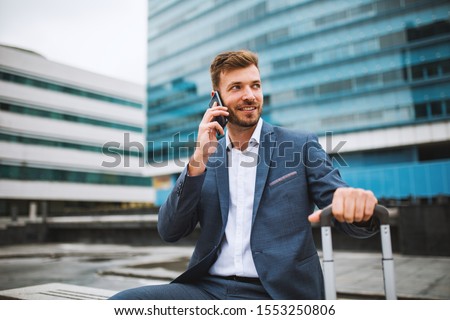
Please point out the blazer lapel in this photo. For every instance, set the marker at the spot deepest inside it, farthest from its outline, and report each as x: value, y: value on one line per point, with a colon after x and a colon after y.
x: 220, y: 164
x: 266, y: 147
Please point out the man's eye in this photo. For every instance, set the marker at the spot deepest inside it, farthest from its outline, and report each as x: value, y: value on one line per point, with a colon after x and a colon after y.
x: 235, y: 87
x: 257, y: 85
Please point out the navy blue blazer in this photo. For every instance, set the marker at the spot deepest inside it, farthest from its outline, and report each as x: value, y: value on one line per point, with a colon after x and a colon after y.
x: 293, y: 175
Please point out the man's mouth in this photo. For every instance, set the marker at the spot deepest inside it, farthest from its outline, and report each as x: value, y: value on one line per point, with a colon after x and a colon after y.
x: 247, y: 108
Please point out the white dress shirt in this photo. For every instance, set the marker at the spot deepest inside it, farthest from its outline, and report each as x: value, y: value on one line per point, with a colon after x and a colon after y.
x: 235, y: 255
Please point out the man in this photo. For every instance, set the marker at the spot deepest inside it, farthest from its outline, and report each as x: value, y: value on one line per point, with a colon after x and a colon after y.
x: 252, y: 193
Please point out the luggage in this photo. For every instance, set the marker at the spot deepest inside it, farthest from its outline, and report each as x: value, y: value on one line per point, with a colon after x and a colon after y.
x: 327, y: 249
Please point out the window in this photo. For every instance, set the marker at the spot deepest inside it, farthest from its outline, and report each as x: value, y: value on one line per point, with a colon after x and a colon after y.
x: 277, y: 35
x: 392, y: 76
x: 63, y: 88
x: 328, y: 19
x: 305, y: 92
x: 417, y: 72
x: 50, y: 143
x: 421, y: 110
x: 432, y: 70
x: 432, y: 109
x: 434, y: 151
x: 29, y: 110
x: 428, y: 31
x: 445, y: 67
x: 393, y: 39
x: 40, y: 174
x: 337, y: 86
x: 387, y: 5
x: 281, y: 64
x: 436, y: 108
x: 367, y: 81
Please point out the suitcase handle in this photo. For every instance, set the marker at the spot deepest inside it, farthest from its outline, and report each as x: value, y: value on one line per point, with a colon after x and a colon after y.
x: 380, y: 212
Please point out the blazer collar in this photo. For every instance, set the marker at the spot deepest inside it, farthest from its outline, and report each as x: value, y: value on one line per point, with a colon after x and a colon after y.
x: 222, y: 180
x: 266, y: 147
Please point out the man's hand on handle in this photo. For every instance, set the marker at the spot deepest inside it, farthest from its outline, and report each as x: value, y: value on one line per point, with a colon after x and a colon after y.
x: 350, y: 205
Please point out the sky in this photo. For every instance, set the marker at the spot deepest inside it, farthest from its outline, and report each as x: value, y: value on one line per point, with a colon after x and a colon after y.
x: 108, y: 37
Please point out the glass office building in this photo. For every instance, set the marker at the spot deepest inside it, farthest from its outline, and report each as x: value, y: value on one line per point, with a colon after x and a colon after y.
x: 68, y: 138
x: 370, y: 78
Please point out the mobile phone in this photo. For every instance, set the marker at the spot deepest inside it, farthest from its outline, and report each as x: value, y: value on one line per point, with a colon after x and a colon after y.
x: 220, y: 119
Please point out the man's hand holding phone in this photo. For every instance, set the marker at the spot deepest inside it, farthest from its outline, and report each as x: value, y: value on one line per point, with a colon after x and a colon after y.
x: 215, y: 99
x: 207, y: 138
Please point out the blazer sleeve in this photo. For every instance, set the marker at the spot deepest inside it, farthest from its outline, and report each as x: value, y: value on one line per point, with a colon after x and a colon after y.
x: 323, y: 180
x: 178, y: 216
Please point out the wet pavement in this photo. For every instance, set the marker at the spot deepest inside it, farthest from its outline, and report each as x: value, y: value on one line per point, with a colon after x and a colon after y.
x: 118, y: 267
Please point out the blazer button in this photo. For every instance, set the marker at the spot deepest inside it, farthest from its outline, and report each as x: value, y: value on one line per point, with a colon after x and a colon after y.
x: 179, y: 188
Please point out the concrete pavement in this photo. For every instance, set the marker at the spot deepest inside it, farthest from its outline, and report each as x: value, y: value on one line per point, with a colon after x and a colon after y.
x: 117, y: 267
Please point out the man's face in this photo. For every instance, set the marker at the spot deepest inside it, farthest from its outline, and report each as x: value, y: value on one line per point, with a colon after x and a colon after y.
x: 241, y: 93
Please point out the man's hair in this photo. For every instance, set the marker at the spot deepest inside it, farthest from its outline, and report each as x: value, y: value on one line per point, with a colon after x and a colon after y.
x: 230, y: 60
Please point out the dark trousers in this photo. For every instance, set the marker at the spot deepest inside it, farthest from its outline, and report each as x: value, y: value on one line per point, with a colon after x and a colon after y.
x: 208, y: 288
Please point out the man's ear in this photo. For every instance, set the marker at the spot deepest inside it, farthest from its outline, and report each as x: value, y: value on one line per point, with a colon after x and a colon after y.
x: 212, y: 93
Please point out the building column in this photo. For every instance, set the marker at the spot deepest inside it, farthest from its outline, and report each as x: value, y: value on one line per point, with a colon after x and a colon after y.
x: 32, y: 211
x: 14, y: 211
x: 44, y: 210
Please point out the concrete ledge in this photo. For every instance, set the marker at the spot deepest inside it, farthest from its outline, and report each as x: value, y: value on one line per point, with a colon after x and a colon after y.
x: 56, y: 291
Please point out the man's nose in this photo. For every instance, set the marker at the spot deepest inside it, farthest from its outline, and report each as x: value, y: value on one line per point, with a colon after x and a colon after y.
x: 248, y: 95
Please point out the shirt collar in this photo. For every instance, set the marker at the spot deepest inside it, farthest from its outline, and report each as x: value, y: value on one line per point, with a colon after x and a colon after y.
x: 254, y: 140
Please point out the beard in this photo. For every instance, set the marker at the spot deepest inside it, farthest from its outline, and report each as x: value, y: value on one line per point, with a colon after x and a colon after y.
x: 244, y: 120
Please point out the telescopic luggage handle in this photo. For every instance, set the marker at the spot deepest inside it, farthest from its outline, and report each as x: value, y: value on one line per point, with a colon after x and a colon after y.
x: 382, y: 214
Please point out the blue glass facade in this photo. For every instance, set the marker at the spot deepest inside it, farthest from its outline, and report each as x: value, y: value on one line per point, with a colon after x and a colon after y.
x: 347, y: 67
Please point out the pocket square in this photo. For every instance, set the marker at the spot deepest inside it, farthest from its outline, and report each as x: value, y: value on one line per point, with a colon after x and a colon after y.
x: 280, y: 179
